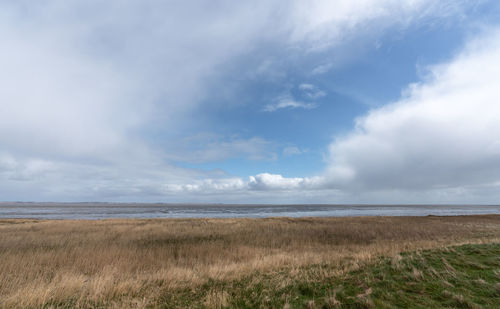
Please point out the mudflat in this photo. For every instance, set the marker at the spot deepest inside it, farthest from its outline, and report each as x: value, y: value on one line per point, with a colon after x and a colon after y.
x: 203, y: 262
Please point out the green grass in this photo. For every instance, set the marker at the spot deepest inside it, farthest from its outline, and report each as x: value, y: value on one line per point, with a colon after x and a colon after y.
x: 467, y: 276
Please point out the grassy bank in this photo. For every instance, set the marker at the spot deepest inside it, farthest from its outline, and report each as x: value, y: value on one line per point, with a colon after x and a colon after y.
x: 466, y: 276
x: 244, y: 262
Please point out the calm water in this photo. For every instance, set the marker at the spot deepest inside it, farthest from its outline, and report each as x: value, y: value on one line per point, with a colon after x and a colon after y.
x: 108, y: 210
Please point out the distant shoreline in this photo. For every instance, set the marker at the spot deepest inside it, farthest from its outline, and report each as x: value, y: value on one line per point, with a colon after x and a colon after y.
x: 98, y: 211
x: 2, y: 203
x: 232, y: 219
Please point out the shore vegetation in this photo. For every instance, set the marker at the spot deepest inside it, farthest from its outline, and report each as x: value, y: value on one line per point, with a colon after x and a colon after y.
x: 274, y: 262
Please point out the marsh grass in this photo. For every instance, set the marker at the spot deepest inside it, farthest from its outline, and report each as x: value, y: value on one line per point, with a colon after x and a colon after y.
x: 380, y: 284
x: 207, y: 262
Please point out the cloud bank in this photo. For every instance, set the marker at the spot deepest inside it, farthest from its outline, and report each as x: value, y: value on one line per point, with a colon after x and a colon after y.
x: 443, y: 133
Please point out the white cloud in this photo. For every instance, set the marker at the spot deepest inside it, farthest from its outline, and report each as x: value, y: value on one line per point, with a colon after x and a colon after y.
x: 209, y: 186
x: 288, y: 102
x: 326, y: 23
x: 311, y: 91
x: 260, y: 182
x: 266, y: 181
x: 444, y: 134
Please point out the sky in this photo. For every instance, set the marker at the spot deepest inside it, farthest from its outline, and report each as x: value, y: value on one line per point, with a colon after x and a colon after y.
x: 264, y: 101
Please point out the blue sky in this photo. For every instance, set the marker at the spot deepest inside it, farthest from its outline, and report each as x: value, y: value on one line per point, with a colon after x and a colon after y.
x: 384, y: 66
x: 376, y: 101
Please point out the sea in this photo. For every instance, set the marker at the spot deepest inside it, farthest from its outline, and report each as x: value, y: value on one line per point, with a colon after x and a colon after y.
x: 99, y: 211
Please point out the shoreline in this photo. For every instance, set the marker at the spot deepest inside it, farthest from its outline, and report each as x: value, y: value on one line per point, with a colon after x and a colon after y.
x: 148, y: 211
x: 37, y: 219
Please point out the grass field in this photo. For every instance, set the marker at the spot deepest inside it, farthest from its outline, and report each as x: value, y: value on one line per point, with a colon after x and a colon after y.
x: 277, y: 262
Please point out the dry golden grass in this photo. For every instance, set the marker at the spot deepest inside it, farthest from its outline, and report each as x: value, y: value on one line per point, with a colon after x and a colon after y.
x: 131, y: 263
